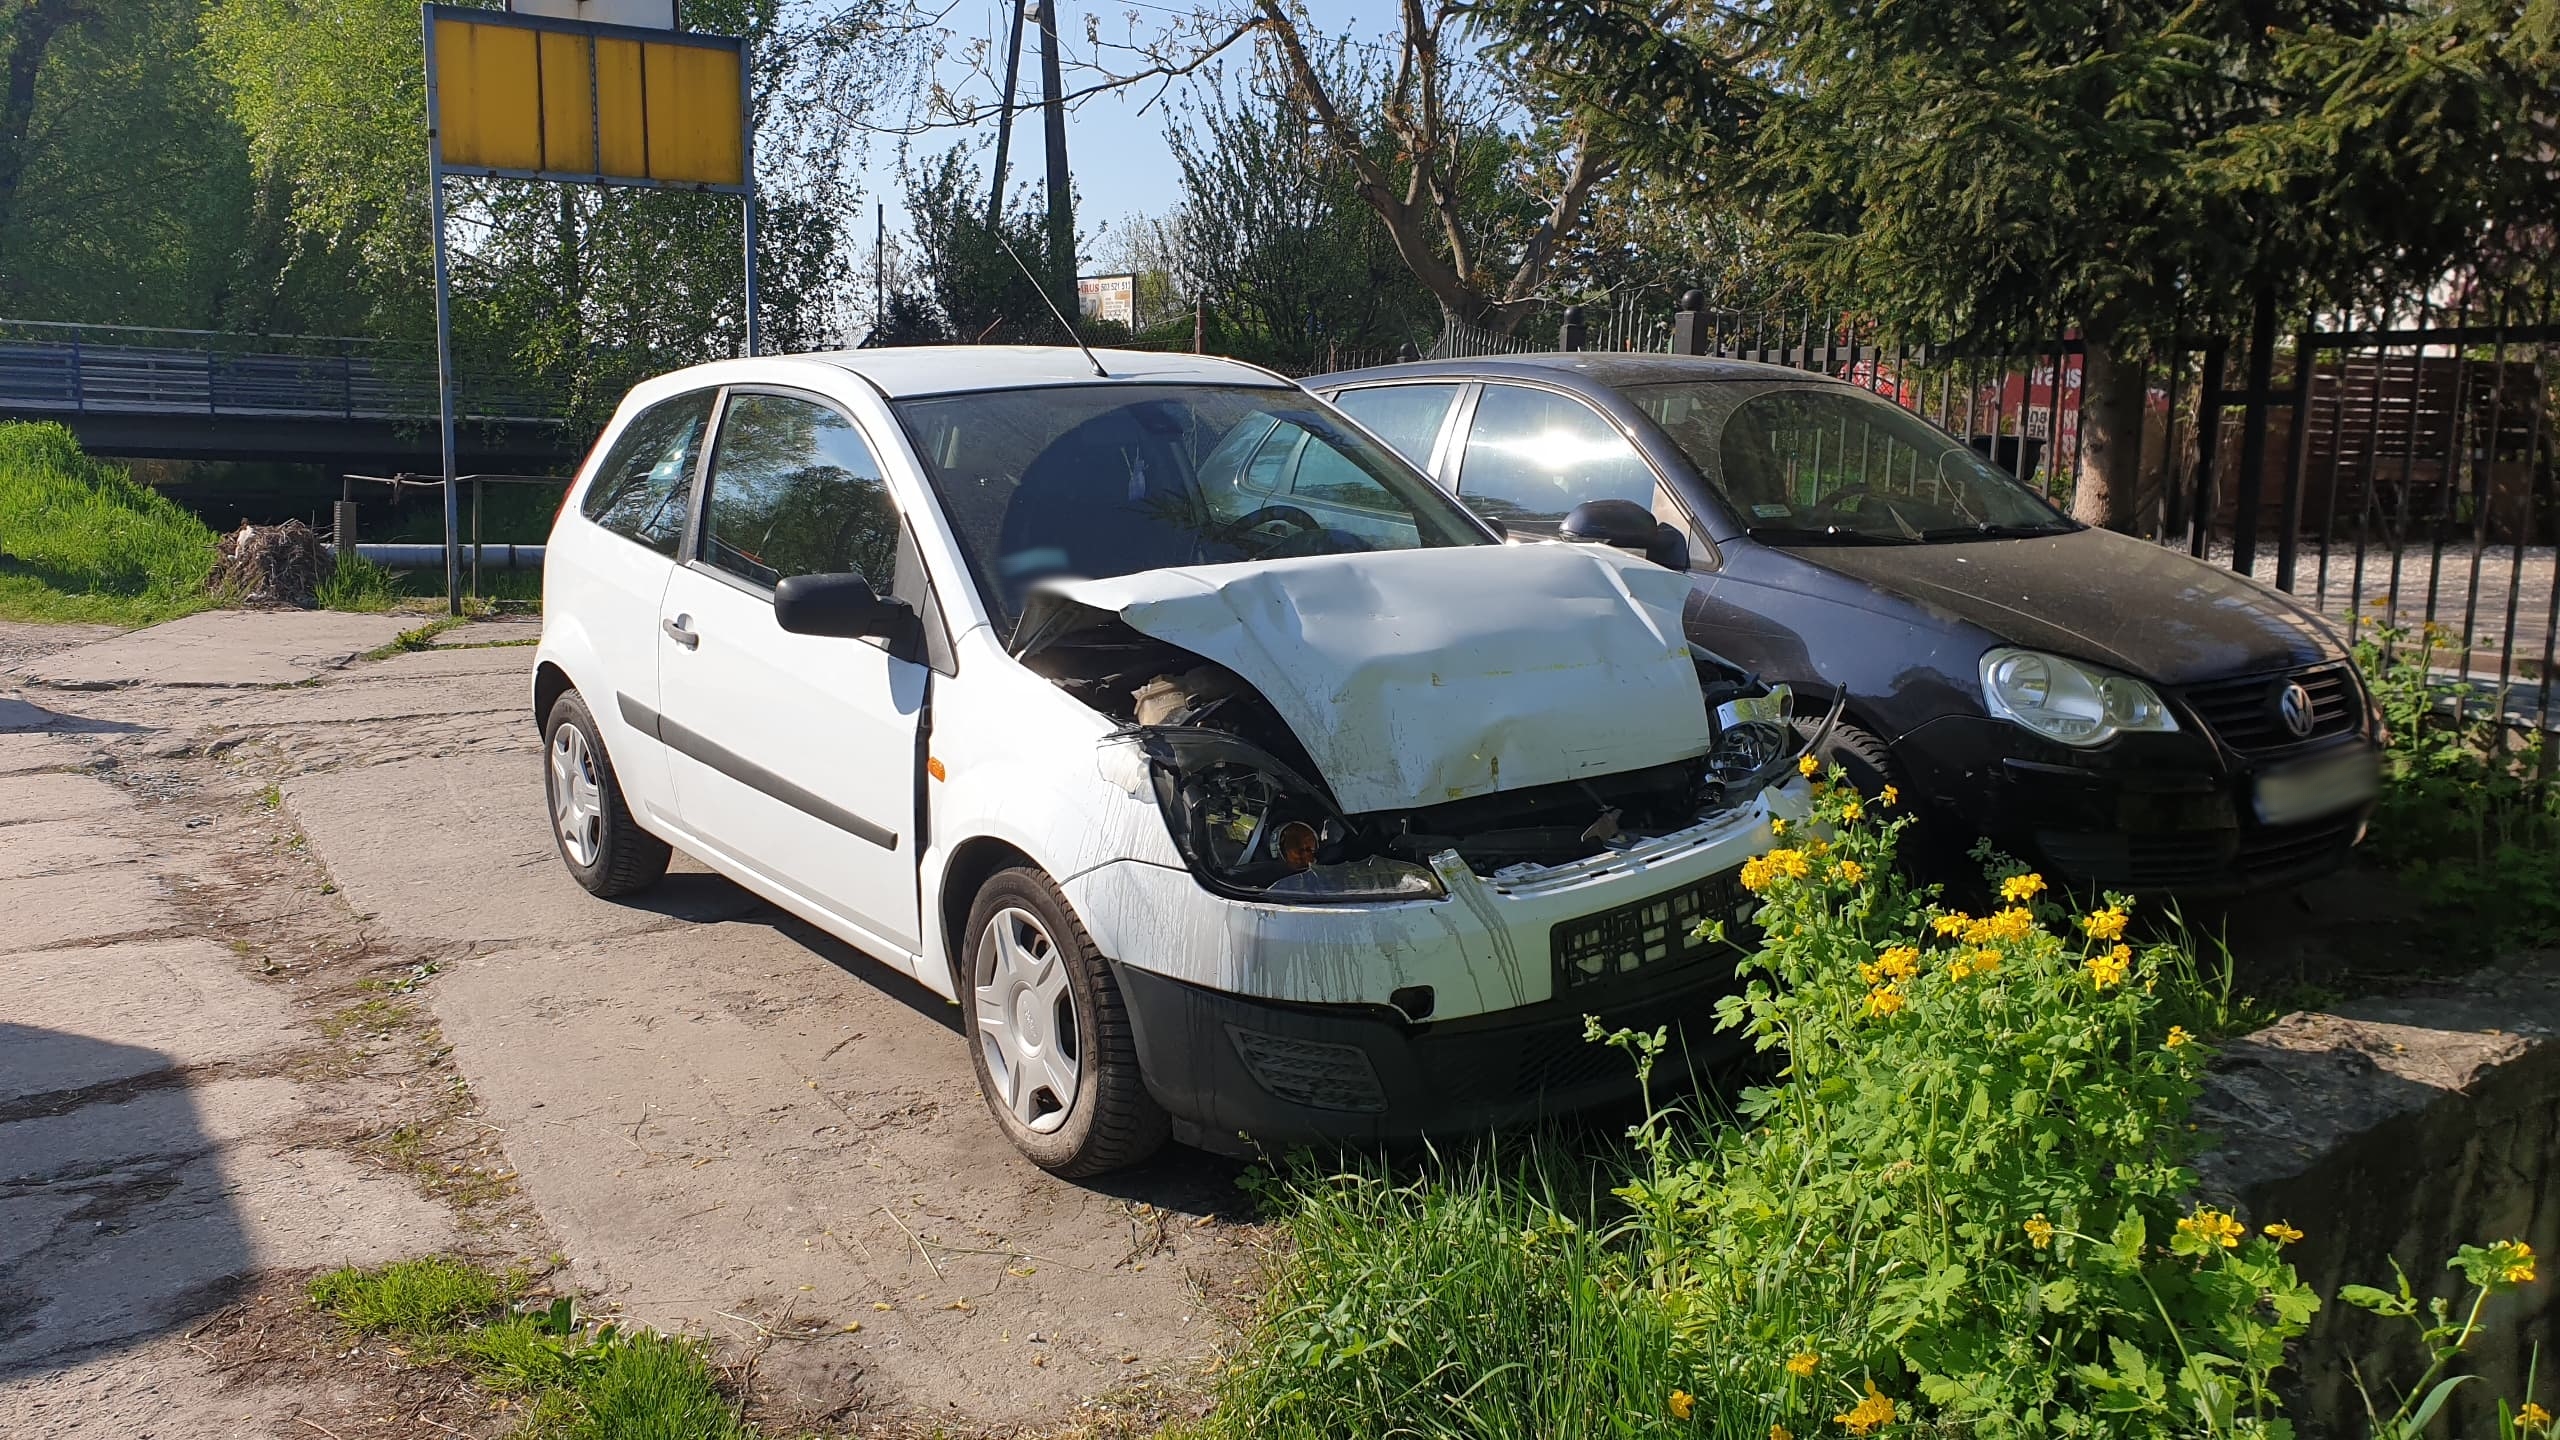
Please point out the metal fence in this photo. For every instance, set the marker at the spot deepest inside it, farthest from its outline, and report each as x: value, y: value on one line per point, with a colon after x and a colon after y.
x: 118, y: 369
x: 2399, y: 474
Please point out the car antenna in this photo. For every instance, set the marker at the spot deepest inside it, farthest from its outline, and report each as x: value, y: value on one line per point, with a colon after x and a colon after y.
x: 1043, y: 293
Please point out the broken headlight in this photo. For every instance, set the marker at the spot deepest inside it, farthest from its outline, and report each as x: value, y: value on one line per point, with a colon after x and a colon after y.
x: 1754, y: 738
x: 1252, y: 828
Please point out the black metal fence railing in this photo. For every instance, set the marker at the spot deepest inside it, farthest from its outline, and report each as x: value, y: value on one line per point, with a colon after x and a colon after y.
x: 102, y: 369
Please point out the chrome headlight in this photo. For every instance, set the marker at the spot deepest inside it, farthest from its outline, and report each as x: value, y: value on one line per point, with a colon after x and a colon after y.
x: 1753, y: 741
x: 2068, y: 701
x: 1252, y: 828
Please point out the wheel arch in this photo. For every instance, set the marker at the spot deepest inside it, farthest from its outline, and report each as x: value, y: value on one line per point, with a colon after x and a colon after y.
x: 977, y: 860
x: 550, y: 682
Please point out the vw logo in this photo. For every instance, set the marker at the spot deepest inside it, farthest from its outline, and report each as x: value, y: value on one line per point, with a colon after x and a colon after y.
x: 2295, y: 706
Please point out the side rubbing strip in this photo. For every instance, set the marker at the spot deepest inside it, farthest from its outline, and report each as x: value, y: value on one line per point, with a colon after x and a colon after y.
x: 638, y: 716
x: 748, y: 773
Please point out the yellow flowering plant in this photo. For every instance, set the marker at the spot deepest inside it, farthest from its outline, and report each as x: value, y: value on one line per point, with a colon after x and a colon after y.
x: 1969, y: 1166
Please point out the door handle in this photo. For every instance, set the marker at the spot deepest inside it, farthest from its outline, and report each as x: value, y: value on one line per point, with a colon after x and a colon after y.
x: 677, y: 632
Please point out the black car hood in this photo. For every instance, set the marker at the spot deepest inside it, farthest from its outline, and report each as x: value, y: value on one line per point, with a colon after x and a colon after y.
x: 2139, y: 607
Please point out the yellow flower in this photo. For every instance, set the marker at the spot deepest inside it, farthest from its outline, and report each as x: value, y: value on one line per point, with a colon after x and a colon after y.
x: 2108, y: 970
x: 1889, y: 1001
x: 1951, y: 924
x: 2532, y: 1420
x: 2107, y: 924
x: 2213, y: 1227
x: 1807, y: 766
x: 2282, y: 1234
x: 2014, y: 923
x: 1985, y: 961
x: 2040, y: 1230
x: 1681, y: 1400
x: 1960, y: 968
x: 1761, y: 871
x: 1875, y: 1410
x: 1852, y: 872
x: 1900, y: 961
x: 1890, y: 797
x: 1850, y: 809
x: 1801, y: 1363
x: 2178, y: 1037
x: 1781, y: 1432
x: 2518, y: 1259
x: 2021, y: 887
x: 1778, y: 825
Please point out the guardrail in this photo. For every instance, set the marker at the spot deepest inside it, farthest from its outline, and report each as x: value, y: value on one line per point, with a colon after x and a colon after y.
x: 104, y: 369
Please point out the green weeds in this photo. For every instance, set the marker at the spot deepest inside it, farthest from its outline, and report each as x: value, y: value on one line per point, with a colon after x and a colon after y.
x: 2467, y: 817
x: 1958, y: 1205
x: 575, y: 1379
x: 355, y: 583
x: 80, y: 541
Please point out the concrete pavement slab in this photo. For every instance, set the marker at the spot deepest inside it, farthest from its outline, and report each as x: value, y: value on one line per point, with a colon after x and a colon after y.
x: 498, y: 630
x: 30, y: 797
x: 220, y: 647
x: 458, y: 848
x: 45, y: 910
x: 746, y: 1119
x: 58, y: 847
x: 77, y: 1017
x: 25, y: 754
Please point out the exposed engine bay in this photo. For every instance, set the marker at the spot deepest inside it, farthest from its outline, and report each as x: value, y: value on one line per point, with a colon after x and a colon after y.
x: 1253, y: 814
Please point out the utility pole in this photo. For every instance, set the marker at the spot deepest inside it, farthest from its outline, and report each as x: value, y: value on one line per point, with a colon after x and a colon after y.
x: 1062, y: 207
x: 879, y: 267
x: 1004, y: 117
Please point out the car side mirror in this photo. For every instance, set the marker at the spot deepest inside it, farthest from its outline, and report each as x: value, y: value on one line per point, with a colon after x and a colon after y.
x: 1494, y: 524
x: 1626, y: 525
x: 840, y: 605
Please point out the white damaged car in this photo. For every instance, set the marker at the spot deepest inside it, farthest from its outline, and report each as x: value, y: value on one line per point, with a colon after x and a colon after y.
x: 1233, y: 781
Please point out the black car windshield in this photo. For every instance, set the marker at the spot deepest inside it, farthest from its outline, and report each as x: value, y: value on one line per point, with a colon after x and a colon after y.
x: 1800, y: 464
x: 1092, y: 481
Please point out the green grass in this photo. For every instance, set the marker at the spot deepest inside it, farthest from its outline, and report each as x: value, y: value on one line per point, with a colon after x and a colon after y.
x: 80, y: 541
x: 578, y: 1381
x: 355, y: 583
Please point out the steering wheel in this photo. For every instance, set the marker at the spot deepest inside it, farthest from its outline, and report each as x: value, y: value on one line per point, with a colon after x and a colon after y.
x: 1299, y: 521
x: 1830, y: 504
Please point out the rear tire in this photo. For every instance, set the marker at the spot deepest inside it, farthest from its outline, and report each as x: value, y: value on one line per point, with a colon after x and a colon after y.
x: 591, y: 825
x: 1049, y: 1035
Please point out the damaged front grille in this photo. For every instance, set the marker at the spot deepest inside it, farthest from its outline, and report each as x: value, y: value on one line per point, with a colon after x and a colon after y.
x: 1552, y: 824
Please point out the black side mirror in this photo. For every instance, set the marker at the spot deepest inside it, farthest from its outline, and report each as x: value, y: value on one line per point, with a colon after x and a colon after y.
x: 1494, y: 524
x: 841, y: 605
x: 1626, y: 525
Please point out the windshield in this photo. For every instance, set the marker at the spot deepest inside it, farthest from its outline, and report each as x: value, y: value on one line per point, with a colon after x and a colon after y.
x: 1092, y: 481
x: 1800, y: 464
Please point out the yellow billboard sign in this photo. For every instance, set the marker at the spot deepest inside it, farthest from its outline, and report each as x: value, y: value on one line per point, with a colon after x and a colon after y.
x: 530, y: 96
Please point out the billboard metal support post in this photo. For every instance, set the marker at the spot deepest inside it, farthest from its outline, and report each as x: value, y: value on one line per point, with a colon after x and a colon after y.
x: 444, y: 339
x: 747, y: 166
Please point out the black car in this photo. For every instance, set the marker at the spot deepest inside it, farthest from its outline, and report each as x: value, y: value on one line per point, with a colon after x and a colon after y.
x: 2119, y: 714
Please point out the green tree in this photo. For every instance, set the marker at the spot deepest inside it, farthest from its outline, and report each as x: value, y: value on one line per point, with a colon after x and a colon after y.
x: 1273, y: 231
x: 978, y: 292
x: 1995, y: 169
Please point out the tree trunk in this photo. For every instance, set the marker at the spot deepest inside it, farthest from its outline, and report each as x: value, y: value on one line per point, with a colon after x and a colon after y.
x: 2113, y: 396
x: 29, y: 38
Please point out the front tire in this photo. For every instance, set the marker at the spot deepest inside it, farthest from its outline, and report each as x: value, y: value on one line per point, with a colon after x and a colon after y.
x: 591, y: 825
x: 1049, y: 1034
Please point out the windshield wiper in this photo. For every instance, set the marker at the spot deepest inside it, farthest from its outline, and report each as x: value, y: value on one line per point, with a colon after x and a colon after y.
x: 1989, y: 530
x: 1828, y: 535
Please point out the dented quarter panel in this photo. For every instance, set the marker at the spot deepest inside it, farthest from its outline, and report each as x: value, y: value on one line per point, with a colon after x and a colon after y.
x: 1415, y: 677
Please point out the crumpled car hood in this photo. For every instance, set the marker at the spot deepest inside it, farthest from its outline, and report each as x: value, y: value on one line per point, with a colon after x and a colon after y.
x: 1415, y: 677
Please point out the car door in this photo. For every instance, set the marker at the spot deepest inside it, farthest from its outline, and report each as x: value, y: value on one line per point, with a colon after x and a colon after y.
x: 1529, y: 455
x: 610, y: 579
x: 795, y: 755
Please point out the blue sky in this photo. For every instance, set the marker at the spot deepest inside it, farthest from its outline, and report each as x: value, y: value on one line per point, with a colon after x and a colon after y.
x: 1118, y: 155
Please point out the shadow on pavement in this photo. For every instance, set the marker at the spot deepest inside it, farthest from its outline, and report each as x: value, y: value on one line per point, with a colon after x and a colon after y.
x: 116, y: 1219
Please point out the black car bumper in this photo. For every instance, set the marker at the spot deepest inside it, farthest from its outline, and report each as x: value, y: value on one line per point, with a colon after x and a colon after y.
x: 2148, y: 815
x: 1237, y: 1072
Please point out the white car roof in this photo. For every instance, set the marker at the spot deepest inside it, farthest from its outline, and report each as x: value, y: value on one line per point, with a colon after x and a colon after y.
x: 902, y: 371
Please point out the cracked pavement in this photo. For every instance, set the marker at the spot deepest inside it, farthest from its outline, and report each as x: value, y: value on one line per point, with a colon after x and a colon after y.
x: 290, y: 978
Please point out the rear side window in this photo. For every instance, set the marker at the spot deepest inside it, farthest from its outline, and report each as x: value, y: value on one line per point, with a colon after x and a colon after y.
x: 796, y: 491
x: 1407, y: 417
x: 644, y: 488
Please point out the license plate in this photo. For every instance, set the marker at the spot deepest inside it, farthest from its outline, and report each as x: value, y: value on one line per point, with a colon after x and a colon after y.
x: 2318, y: 787
x: 1648, y: 935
